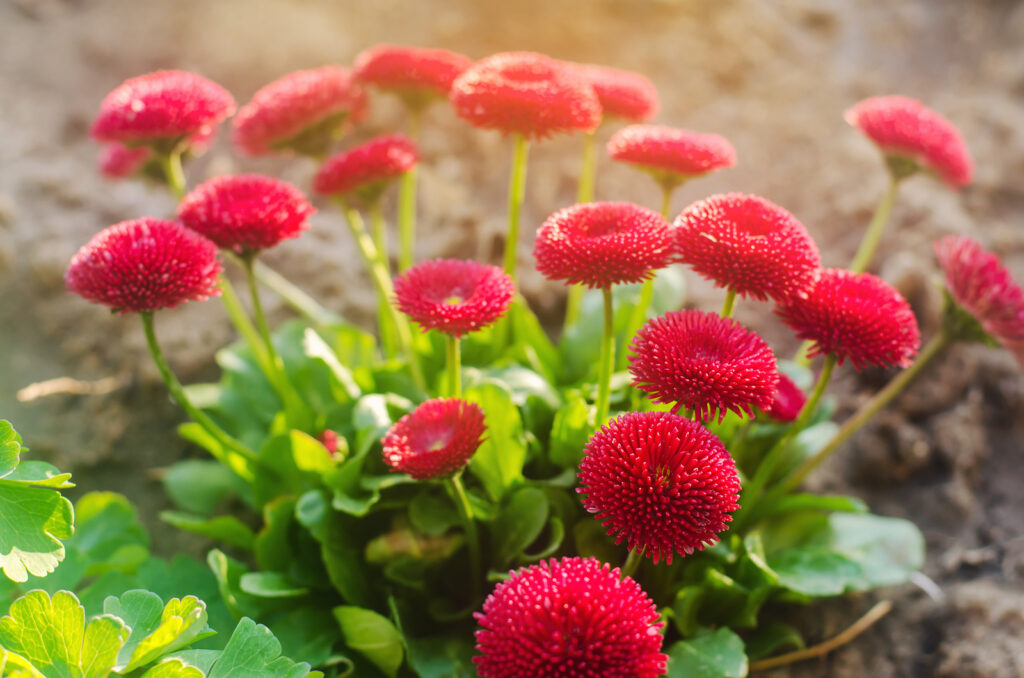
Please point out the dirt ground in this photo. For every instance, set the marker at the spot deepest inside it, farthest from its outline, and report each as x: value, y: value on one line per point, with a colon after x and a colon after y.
x: 773, y: 77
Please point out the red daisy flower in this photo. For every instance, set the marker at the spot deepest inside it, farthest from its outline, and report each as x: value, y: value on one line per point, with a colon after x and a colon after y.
x: 569, y: 618
x: 600, y: 244
x: 659, y: 482
x: 118, y: 161
x: 163, y: 106
x: 525, y: 93
x: 437, y: 438
x: 750, y: 245
x: 623, y: 94
x: 145, y: 265
x: 788, y: 401
x: 303, y: 111
x: 980, y: 284
x: 419, y: 76
x: 703, y: 362
x: 367, y: 169
x: 454, y: 296
x: 671, y: 155
x: 905, y: 128
x: 246, y: 212
x: 856, y: 316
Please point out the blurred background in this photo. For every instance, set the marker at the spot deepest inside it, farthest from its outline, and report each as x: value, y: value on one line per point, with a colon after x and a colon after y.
x: 772, y: 77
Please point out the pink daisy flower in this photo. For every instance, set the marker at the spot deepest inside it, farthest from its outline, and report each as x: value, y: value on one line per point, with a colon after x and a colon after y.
x: 436, y: 439
x: 623, y: 94
x: 671, y: 155
x: 454, y: 296
x: 368, y: 168
x: 418, y: 76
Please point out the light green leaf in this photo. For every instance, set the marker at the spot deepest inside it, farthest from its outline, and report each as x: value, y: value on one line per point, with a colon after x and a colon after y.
x: 815, y: 570
x: 888, y: 550
x: 254, y: 652
x: 432, y: 514
x: 571, y: 430
x: 498, y: 463
x: 200, y: 486
x: 52, y: 634
x: 270, y: 585
x: 713, y: 654
x: 156, y: 629
x: 372, y: 636
x: 441, y: 657
x: 520, y: 521
x: 173, y: 668
x: 315, y: 347
x: 228, y: 529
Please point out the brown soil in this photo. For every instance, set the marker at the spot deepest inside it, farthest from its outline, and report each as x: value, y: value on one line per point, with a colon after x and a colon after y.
x: 774, y: 78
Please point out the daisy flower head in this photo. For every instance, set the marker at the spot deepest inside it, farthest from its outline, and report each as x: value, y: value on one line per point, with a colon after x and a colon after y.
x: 569, y: 618
x: 436, y: 439
x: 301, y: 112
x: 525, y: 93
x: 856, y: 317
x: 703, y: 362
x: 907, y: 131
x: 145, y: 265
x: 600, y: 244
x: 659, y: 482
x: 623, y: 94
x: 163, y: 110
x: 246, y: 212
x: 747, y: 244
x: 418, y: 76
x: 671, y: 155
x: 788, y: 401
x: 980, y: 285
x: 367, y: 169
x: 454, y: 296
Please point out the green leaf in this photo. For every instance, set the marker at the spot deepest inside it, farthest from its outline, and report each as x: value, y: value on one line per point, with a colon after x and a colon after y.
x: 342, y: 539
x: 441, y: 657
x: 686, y: 609
x: 228, y: 529
x: 818, y: 502
x: 108, y: 534
x: 432, y: 514
x: 156, y: 629
x: 273, y: 544
x: 173, y: 668
x: 714, y: 654
x: 498, y: 463
x: 315, y: 347
x: 815, y: 571
x: 771, y: 637
x: 308, y: 633
x: 254, y: 652
x: 291, y: 463
x: 571, y: 430
x: 34, y: 518
x: 200, y: 486
x: 270, y: 585
x: 52, y: 634
x: 520, y: 521
x: 888, y: 550
x: 532, y: 346
x: 372, y: 636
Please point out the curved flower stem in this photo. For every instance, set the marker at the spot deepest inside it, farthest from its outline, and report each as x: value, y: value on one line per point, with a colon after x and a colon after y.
x: 293, y: 296
x: 179, y: 395
x: 607, y: 359
x: 242, y: 324
x: 874, y: 233
x: 632, y: 563
x: 173, y: 172
x: 880, y: 609
x: 382, y: 283
x: 730, y: 303
x: 276, y: 374
x: 380, y: 241
x: 772, y: 457
x: 516, y: 194
x: 866, y: 412
x: 407, y: 203
x: 454, y: 367
x: 465, y: 510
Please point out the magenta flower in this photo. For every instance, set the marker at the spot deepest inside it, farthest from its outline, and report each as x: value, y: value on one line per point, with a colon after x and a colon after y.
x: 436, y: 439
x: 454, y: 296
x: 671, y: 155
x: 368, y: 168
x: 418, y: 76
x: 623, y: 94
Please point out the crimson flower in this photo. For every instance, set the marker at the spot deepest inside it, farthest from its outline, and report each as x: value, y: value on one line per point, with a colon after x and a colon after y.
x: 246, y: 212
x: 623, y: 94
x: 437, y: 438
x: 118, y: 161
x: 980, y: 284
x: 454, y: 296
x: 367, y: 169
x: 419, y: 76
x: 671, y: 155
x: 904, y: 127
x: 854, y: 316
x: 144, y: 265
x: 525, y: 93
x: 165, y: 106
x: 302, y: 111
x: 600, y: 244
x: 703, y: 362
x: 569, y: 618
x: 659, y: 482
x: 788, y: 401
x: 748, y: 244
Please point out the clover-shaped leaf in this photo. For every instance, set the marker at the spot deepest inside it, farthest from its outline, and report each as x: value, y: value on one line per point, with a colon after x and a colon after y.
x: 156, y: 629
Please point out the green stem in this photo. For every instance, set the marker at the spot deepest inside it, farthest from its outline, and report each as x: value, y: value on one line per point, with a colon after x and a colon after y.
x: 632, y: 563
x: 607, y: 360
x: 573, y: 306
x: 874, y: 233
x: 666, y: 200
x: 293, y: 296
x: 179, y: 395
x: 454, y: 367
x: 771, y: 459
x: 407, y: 204
x: 173, y: 172
x: 380, y: 241
x: 588, y: 169
x: 242, y: 324
x: 730, y: 303
x: 516, y: 194
x: 465, y: 510
x: 382, y: 283
x: 868, y: 410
